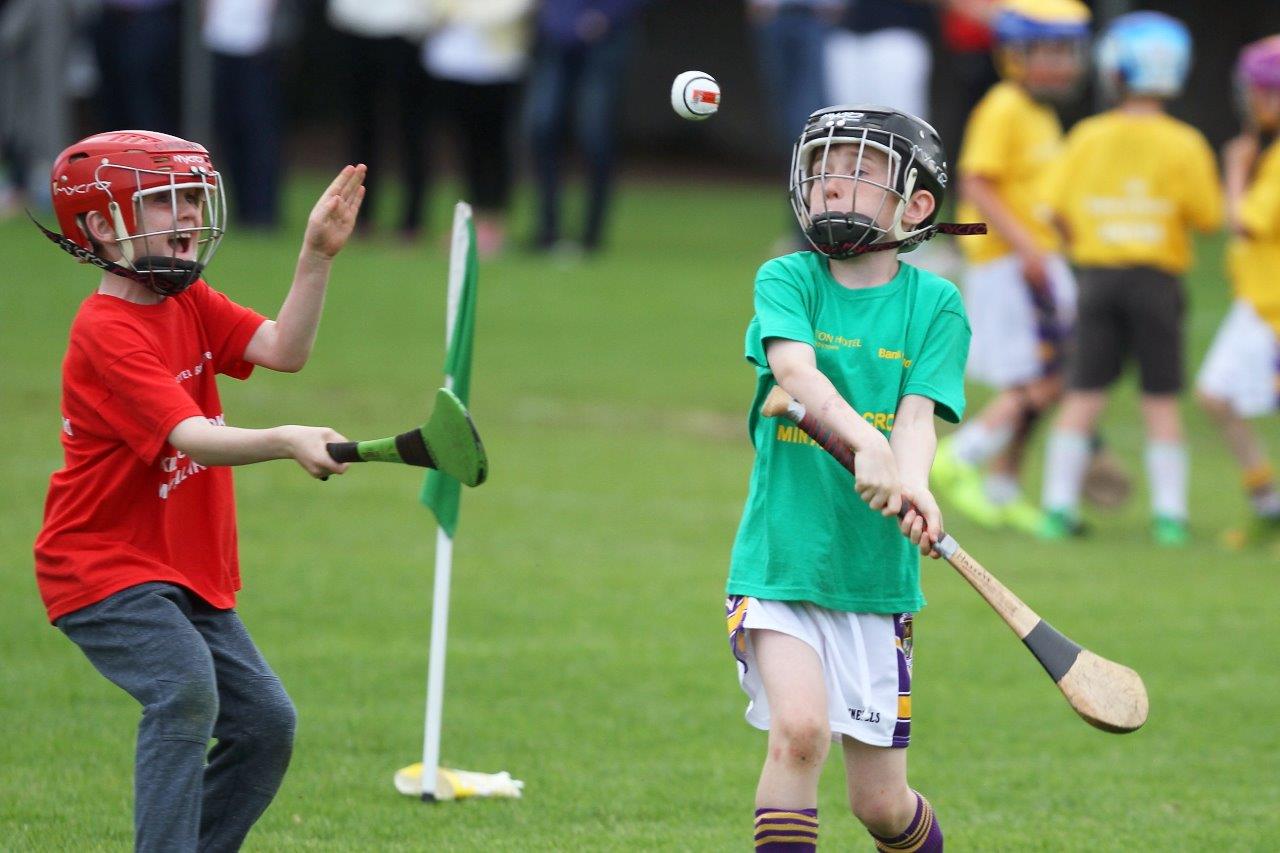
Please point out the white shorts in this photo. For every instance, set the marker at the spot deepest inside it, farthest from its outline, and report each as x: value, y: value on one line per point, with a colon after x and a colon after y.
x: 1243, y: 363
x: 1014, y: 340
x: 866, y: 664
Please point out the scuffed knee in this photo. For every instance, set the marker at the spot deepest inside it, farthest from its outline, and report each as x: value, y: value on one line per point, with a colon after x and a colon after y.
x: 799, y: 740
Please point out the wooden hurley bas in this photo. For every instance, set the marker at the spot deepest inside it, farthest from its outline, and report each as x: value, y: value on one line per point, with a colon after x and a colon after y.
x: 1107, y: 695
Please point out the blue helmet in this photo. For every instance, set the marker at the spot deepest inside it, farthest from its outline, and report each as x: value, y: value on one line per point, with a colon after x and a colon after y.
x: 1147, y: 53
x: 1020, y: 22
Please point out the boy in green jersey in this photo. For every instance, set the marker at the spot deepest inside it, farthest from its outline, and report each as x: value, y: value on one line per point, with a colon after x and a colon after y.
x: 823, y: 581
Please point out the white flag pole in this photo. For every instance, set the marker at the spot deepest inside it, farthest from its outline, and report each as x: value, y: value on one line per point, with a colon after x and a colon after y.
x: 458, y: 255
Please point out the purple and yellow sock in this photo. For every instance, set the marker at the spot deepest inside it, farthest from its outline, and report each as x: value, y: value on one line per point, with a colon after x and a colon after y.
x: 786, y: 830
x: 922, y: 835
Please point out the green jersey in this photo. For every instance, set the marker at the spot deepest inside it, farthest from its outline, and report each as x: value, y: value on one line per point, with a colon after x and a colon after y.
x: 805, y: 534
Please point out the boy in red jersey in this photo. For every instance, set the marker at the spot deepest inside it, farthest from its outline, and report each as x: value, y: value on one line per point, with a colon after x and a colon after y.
x: 136, y: 560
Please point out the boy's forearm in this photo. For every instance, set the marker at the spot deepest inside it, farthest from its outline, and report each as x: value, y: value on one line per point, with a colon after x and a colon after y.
x: 225, y: 445
x: 814, y: 390
x: 914, y: 444
x: 996, y: 213
x: 299, y: 317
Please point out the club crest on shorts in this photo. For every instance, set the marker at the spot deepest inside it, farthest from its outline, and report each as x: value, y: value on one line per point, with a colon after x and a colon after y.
x: 903, y: 629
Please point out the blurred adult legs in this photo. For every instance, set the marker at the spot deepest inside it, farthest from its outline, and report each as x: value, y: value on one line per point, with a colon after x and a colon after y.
x: 386, y: 72
x: 247, y: 104
x: 590, y: 77
x: 790, y: 47
x: 482, y: 115
x: 137, y: 54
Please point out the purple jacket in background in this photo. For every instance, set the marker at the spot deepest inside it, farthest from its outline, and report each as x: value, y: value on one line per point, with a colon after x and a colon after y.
x: 558, y: 19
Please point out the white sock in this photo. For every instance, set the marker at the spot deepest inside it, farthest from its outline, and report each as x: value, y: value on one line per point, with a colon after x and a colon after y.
x: 1002, y: 489
x: 1066, y: 460
x: 975, y: 442
x: 1167, y: 474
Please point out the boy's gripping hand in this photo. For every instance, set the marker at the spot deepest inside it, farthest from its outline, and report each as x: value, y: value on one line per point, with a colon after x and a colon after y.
x: 876, y: 476
x: 334, y: 216
x: 307, y: 446
x: 923, y: 522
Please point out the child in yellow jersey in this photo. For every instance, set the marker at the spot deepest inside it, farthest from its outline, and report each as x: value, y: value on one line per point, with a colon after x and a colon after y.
x: 1240, y: 377
x: 1018, y: 290
x: 1131, y: 184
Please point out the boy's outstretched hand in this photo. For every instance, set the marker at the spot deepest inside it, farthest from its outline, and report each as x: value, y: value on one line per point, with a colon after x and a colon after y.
x: 334, y: 216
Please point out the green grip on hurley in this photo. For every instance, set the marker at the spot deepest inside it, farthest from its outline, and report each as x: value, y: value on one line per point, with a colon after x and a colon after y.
x: 448, y: 442
x: 407, y: 448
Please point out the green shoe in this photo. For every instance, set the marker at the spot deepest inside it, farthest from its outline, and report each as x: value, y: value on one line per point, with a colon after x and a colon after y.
x: 1057, y: 525
x: 1020, y: 515
x: 1170, y: 532
x: 959, y: 483
x: 947, y: 468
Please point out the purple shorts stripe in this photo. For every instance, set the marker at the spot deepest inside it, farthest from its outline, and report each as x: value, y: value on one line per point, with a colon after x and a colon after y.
x: 903, y: 626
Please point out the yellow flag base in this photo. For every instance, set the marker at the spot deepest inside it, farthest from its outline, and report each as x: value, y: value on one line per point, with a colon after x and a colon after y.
x: 458, y: 784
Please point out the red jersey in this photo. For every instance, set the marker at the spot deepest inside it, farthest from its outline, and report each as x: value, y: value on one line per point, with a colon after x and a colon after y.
x: 128, y: 507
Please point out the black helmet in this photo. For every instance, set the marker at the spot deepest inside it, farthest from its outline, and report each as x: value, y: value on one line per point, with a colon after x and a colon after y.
x: 916, y: 162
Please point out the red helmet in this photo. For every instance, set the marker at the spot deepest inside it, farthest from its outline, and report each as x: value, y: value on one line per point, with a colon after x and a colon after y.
x: 111, y: 173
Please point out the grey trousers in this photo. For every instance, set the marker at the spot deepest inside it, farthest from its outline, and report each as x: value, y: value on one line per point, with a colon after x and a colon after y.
x: 197, y: 675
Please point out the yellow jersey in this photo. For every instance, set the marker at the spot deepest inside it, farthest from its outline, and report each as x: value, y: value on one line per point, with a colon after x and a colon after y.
x: 1254, y: 260
x: 1130, y: 187
x: 1011, y: 140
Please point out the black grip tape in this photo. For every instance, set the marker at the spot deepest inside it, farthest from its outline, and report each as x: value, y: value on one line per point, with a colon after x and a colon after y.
x: 1056, y: 653
x: 343, y: 451
x: 412, y: 448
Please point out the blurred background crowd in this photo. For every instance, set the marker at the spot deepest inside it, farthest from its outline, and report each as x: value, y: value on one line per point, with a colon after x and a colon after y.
x: 503, y: 92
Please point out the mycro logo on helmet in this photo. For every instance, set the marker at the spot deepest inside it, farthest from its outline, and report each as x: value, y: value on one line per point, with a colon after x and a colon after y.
x: 190, y: 158
x: 81, y: 189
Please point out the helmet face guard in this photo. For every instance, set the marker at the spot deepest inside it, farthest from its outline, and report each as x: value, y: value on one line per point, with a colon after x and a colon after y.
x: 839, y: 233
x: 143, y: 184
x: 153, y: 253
x: 845, y: 232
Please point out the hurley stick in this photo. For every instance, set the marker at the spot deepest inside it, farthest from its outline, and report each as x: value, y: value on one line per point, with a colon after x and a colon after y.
x: 1107, y: 695
x: 448, y: 442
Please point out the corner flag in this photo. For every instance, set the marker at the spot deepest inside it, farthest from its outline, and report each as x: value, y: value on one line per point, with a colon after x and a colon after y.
x: 441, y: 493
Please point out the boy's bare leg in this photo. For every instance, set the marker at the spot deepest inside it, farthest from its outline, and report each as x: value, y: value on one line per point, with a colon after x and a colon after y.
x: 799, y: 732
x: 1250, y: 454
x: 786, y: 819
x: 876, y: 779
x: 898, y: 817
x: 1164, y: 422
x: 1241, y: 440
x: 1003, y: 481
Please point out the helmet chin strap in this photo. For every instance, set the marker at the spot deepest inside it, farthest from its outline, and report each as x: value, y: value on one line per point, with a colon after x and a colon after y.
x: 168, y: 282
x: 909, y: 186
x: 122, y: 233
x: 898, y: 237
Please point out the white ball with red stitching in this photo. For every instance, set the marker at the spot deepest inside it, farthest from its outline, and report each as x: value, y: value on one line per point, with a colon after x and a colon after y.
x: 695, y: 95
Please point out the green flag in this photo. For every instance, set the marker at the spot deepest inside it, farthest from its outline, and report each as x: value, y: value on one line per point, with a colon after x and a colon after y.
x: 440, y: 492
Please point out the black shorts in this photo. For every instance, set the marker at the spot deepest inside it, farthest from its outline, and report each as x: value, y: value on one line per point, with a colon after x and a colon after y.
x: 1128, y: 311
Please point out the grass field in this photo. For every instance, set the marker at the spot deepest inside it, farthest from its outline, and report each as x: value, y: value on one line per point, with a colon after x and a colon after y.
x: 587, y: 652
